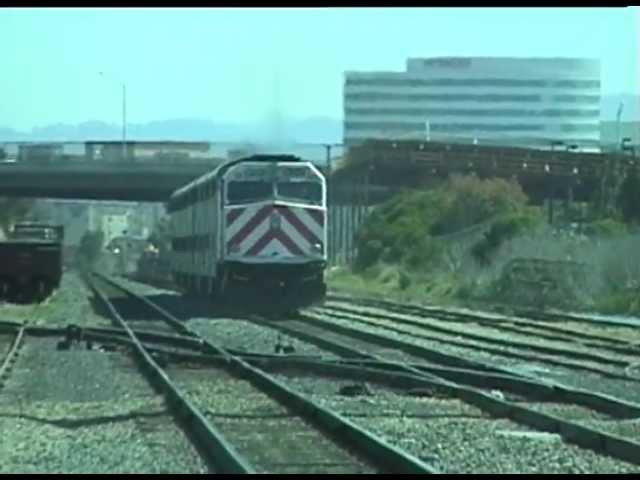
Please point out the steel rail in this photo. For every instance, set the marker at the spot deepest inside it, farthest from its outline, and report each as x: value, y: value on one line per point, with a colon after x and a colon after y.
x: 349, y: 313
x: 501, y: 323
x: 368, y: 445
x: 11, y: 356
x: 424, y: 352
x: 587, y: 437
x: 218, y: 452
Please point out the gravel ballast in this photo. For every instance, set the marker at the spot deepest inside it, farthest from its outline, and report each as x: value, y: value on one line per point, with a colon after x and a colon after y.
x: 250, y: 337
x: 268, y: 435
x: 455, y: 437
x: 479, y: 443
x: 562, y: 353
x: 71, y: 303
x: 625, y: 389
x: 82, y: 411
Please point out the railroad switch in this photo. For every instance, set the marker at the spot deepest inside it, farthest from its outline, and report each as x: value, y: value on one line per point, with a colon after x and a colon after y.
x: 281, y: 347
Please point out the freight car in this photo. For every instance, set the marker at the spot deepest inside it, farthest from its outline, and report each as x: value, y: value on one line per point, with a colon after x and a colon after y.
x: 252, y: 232
x: 31, y: 262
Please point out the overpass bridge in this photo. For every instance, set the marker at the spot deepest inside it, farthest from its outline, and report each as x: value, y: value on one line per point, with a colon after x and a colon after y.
x: 140, y: 171
x: 151, y: 171
x: 150, y: 181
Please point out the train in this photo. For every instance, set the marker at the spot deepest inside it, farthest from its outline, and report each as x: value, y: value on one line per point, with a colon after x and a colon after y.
x: 252, y: 233
x: 154, y: 268
x: 31, y: 262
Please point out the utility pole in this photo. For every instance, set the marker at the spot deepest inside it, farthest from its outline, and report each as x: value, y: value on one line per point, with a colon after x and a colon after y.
x: 618, y: 117
x: 124, y: 117
x: 124, y: 121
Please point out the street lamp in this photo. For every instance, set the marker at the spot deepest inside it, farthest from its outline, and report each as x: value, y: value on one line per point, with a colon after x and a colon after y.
x: 124, y: 116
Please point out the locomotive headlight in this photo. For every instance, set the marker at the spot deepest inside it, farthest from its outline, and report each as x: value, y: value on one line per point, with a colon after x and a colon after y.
x: 116, y: 251
x: 317, y: 248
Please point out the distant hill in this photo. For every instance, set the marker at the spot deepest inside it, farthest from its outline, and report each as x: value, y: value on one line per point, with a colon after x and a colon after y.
x: 310, y: 130
x: 307, y: 130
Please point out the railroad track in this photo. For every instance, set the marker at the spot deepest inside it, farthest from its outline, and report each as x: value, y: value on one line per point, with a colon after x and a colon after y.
x: 618, y: 376
x: 544, y: 399
x: 545, y: 320
x: 447, y: 388
x: 272, y: 428
x: 10, y: 345
x: 564, y: 355
x: 483, y: 394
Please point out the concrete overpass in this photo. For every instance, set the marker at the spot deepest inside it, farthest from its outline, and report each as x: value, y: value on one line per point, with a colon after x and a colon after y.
x: 144, y: 181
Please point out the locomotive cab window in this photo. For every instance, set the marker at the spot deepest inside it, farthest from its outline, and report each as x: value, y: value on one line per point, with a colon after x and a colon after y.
x: 248, y: 191
x: 302, y: 191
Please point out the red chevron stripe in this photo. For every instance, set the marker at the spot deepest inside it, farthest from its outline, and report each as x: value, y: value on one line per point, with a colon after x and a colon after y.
x: 296, y: 223
x: 248, y: 227
x: 317, y: 215
x: 232, y: 215
x: 261, y: 244
x: 279, y: 235
x: 288, y: 243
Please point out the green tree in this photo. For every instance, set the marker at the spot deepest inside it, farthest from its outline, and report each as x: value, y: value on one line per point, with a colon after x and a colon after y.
x: 90, y: 248
x: 403, y: 230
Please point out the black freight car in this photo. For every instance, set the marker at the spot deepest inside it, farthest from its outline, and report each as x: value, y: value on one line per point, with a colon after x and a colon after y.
x: 31, y: 262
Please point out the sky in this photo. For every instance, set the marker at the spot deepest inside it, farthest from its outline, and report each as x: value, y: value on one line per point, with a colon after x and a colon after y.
x: 239, y: 65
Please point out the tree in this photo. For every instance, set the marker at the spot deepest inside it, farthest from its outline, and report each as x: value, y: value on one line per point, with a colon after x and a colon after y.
x: 90, y: 247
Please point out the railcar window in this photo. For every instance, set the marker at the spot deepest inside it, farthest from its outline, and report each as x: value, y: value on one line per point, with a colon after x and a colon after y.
x: 248, y: 191
x: 306, y: 192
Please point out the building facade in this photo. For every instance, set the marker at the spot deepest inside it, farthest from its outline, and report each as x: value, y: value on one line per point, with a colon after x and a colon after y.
x: 515, y: 101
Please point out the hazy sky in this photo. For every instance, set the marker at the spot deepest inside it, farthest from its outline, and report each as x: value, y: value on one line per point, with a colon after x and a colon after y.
x: 222, y: 64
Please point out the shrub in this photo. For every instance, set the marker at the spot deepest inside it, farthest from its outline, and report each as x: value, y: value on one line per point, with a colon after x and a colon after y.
x: 401, y: 231
x: 90, y: 248
x: 503, y: 229
x: 607, y: 227
x: 471, y: 201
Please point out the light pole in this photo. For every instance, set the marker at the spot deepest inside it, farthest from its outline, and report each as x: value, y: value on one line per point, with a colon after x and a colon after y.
x: 618, y: 117
x: 124, y: 117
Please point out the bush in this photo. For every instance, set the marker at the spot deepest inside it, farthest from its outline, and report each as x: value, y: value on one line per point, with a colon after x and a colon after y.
x: 503, y: 229
x: 398, y: 231
x: 401, y: 231
x: 90, y: 248
x: 607, y: 228
x: 471, y: 201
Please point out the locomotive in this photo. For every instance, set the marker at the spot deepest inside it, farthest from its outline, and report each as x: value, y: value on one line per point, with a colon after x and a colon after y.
x: 252, y: 232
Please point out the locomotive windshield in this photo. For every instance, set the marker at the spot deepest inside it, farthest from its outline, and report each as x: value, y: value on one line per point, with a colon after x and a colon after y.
x: 303, y: 192
x: 247, y: 191
x: 274, y: 181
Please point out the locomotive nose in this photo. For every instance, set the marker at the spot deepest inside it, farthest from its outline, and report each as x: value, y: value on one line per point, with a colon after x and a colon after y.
x: 275, y: 221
